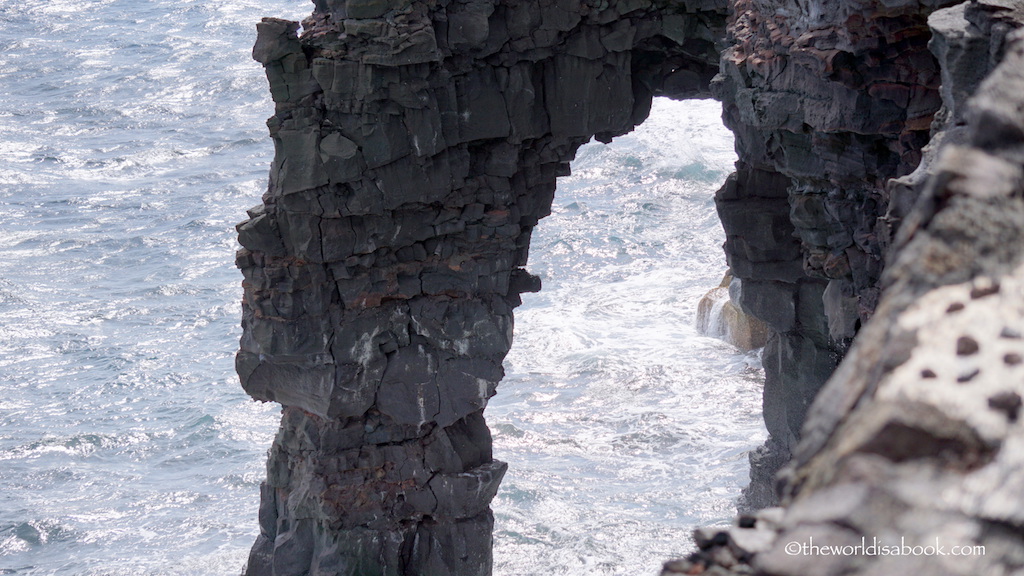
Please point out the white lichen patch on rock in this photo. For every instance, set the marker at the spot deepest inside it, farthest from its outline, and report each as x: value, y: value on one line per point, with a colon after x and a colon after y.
x: 968, y: 352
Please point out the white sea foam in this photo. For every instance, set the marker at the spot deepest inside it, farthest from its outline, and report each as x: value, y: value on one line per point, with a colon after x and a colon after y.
x: 623, y: 428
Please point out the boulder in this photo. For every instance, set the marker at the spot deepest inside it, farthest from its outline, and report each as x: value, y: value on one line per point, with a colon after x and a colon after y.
x: 719, y: 317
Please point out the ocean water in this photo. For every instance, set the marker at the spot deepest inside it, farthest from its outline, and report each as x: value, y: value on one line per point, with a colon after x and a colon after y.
x: 624, y: 428
x: 132, y: 139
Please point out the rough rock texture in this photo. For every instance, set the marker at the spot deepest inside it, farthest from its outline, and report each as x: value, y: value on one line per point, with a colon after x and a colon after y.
x: 828, y: 101
x: 923, y: 419
x: 917, y: 441
x: 732, y: 550
x: 417, y: 145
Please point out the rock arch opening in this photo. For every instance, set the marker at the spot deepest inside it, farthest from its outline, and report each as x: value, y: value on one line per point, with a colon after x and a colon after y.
x: 614, y: 452
x: 383, y: 267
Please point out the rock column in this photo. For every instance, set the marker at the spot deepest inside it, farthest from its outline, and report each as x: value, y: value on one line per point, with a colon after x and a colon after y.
x: 417, y: 145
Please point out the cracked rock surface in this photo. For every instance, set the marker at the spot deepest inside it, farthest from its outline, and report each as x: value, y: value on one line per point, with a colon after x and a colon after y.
x: 417, y: 145
x: 917, y: 439
x: 876, y: 211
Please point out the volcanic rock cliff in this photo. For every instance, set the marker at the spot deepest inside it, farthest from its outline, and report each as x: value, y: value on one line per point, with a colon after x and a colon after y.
x: 417, y: 145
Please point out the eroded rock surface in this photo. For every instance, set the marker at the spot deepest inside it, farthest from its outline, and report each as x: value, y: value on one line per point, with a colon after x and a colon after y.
x: 417, y: 145
x: 916, y: 442
x: 828, y: 101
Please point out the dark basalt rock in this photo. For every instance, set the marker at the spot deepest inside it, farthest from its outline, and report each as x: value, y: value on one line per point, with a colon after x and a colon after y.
x: 417, y: 144
x: 915, y: 440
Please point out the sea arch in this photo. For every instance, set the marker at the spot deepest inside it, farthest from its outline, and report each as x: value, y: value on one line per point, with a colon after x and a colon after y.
x: 417, y: 144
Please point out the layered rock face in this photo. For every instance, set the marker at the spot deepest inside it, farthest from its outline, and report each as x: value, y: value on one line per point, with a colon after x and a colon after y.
x: 922, y: 420
x: 828, y: 101
x: 911, y: 460
x: 417, y: 145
